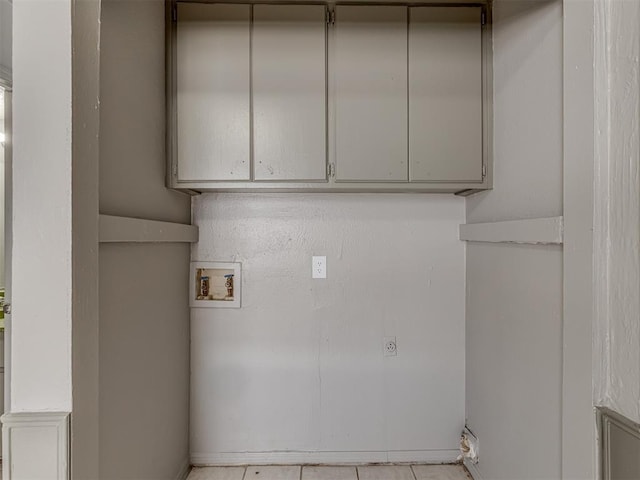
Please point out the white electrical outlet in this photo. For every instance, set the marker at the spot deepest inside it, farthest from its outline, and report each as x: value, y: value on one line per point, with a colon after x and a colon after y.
x: 390, y: 347
x: 319, y: 267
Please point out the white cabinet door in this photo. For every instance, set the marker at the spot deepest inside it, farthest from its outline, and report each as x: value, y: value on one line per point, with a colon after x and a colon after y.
x: 289, y: 92
x: 370, y: 82
x: 213, y: 100
x: 445, y: 94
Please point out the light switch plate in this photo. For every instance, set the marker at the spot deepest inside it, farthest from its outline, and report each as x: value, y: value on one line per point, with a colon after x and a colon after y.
x: 319, y: 267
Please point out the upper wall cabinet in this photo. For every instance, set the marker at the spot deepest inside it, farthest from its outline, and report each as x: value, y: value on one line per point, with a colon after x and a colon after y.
x: 370, y: 75
x: 309, y: 97
x: 289, y: 92
x: 213, y: 92
x: 445, y: 94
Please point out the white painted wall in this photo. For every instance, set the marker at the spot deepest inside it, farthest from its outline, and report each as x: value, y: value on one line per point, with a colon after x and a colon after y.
x: 5, y: 41
x: 579, y: 72
x: 527, y: 84
x: 2, y: 199
x: 514, y: 358
x: 41, y: 330
x: 144, y: 361
x: 144, y: 313
x: 617, y: 232
x: 132, y: 75
x: 514, y: 292
x: 299, y: 370
x: 85, y: 233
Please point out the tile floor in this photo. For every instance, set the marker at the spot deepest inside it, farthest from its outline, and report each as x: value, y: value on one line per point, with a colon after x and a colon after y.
x: 296, y: 472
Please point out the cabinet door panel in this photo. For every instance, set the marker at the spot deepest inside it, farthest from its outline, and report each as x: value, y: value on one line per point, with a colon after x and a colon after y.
x: 371, y: 93
x: 445, y: 94
x: 213, y: 77
x: 289, y: 92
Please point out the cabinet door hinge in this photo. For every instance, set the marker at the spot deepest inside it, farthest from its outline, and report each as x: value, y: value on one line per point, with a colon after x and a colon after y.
x: 331, y: 170
x: 174, y: 13
x: 483, y: 17
x: 331, y: 17
x: 174, y: 169
x: 484, y: 170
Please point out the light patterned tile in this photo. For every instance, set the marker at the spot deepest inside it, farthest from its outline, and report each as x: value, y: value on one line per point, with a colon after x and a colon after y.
x: 385, y: 472
x: 290, y: 472
x: 216, y: 473
x: 440, y: 472
x: 329, y: 473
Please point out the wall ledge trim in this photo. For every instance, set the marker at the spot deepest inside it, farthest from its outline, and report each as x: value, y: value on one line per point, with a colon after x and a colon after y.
x: 115, y: 229
x: 301, y: 457
x: 39, y: 434
x: 534, y: 231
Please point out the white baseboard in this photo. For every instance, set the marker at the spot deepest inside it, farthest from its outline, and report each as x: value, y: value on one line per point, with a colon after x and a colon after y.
x: 184, y: 470
x: 35, y: 445
x: 473, y: 469
x: 301, y: 458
